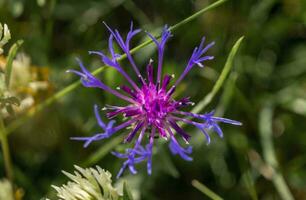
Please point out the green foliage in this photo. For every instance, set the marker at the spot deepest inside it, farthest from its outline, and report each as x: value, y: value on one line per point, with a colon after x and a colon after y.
x: 269, y: 70
x: 9, y: 64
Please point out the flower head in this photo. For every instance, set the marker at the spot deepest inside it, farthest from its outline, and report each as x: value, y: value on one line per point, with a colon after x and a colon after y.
x: 151, y: 109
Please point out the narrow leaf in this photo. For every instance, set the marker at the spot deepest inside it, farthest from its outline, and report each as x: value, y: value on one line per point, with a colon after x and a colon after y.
x: 1, y: 29
x: 205, y: 190
x: 266, y: 137
x: 227, y: 68
x: 9, y: 64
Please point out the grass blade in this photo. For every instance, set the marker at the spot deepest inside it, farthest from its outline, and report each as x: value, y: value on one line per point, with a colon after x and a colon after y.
x: 205, y: 190
x: 9, y: 63
x: 6, y: 152
x: 227, y: 68
x: 265, y: 131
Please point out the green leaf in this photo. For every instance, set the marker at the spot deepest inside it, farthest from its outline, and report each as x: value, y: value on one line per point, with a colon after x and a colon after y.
x: 228, y: 92
x: 266, y: 136
x: 9, y: 63
x: 127, y: 195
x: 227, y: 68
x: 1, y: 29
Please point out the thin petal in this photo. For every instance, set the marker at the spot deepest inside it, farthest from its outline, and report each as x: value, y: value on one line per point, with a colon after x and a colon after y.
x: 180, y: 131
x: 100, y: 122
x: 133, y: 133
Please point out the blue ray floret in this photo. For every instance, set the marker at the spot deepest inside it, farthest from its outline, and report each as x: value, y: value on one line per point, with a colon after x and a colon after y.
x: 134, y: 156
x: 88, y: 80
x: 151, y: 109
x: 175, y: 148
x: 166, y: 34
x: 107, y: 128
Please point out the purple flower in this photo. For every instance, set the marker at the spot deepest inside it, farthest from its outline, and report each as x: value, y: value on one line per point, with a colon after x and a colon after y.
x: 151, y: 110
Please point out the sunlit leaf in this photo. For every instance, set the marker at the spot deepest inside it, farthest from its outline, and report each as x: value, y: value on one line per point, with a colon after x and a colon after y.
x: 9, y: 64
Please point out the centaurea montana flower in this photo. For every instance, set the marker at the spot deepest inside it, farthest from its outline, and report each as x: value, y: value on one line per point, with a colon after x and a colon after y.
x: 151, y: 109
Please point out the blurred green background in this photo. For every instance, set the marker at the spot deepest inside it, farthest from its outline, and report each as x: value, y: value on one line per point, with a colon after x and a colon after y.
x: 266, y: 91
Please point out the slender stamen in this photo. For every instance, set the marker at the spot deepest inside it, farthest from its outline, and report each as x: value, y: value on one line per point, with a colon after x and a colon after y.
x: 166, y: 81
x: 125, y: 124
x: 128, y: 78
x: 150, y: 73
x: 171, y: 91
x: 128, y: 91
x: 114, y: 92
x: 134, y: 131
x: 178, y: 130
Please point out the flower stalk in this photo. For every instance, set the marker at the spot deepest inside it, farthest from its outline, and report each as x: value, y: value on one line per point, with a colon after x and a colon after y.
x: 6, y: 152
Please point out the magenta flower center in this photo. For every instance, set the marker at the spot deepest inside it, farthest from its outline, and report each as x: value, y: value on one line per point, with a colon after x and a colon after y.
x: 155, y: 104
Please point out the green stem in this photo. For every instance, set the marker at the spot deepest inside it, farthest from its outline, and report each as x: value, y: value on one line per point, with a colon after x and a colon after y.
x: 197, y: 14
x: 6, y: 152
x: 205, y: 190
x: 265, y: 130
x: 17, y: 123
